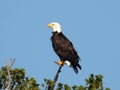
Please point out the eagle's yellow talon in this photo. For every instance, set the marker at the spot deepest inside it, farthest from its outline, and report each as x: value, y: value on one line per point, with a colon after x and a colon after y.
x: 60, y: 63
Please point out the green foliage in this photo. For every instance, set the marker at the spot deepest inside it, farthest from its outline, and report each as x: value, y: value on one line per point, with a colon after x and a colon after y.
x: 49, y: 84
x: 19, y: 81
x: 94, y: 83
x: 78, y: 87
x: 60, y: 86
x: 107, y: 89
x: 66, y: 87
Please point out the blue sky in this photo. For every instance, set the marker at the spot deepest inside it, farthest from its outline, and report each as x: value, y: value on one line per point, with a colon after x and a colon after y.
x: 92, y: 25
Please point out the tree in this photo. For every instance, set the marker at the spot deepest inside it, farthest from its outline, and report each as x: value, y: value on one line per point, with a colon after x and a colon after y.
x: 93, y: 83
x: 18, y: 81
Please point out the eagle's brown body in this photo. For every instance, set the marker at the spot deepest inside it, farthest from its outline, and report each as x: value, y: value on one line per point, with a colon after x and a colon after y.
x: 65, y: 50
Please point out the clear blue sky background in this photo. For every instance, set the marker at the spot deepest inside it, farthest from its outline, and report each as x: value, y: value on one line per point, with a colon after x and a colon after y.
x: 92, y: 25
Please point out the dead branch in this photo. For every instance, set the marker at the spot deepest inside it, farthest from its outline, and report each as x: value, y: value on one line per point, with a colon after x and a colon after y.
x: 8, y: 66
x: 57, y: 75
x: 12, y: 62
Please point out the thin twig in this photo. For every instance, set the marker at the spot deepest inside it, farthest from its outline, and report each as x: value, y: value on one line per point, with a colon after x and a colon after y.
x: 8, y: 66
x: 12, y: 62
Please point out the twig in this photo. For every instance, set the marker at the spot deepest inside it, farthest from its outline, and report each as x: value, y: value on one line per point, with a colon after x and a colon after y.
x: 8, y: 66
x: 12, y: 62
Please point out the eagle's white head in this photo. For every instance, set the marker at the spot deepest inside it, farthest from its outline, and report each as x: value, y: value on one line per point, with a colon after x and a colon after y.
x: 55, y: 26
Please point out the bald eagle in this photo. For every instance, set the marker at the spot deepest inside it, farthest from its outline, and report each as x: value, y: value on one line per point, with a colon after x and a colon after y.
x: 64, y: 48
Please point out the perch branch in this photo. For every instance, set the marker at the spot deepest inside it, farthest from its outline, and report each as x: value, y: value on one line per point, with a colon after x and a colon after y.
x: 57, y: 75
x: 8, y: 66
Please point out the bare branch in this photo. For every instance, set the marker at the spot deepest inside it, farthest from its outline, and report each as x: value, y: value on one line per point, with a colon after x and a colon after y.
x: 8, y: 66
x: 57, y: 75
x: 12, y: 62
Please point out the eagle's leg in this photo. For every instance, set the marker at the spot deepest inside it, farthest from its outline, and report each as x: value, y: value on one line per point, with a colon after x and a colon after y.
x: 60, y: 62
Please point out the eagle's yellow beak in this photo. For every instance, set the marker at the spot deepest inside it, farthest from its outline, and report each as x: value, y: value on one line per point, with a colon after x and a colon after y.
x: 50, y: 25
